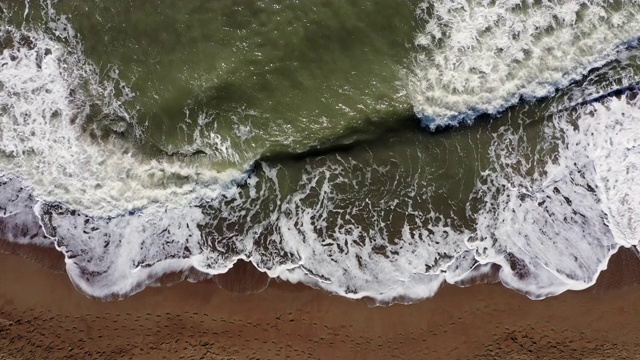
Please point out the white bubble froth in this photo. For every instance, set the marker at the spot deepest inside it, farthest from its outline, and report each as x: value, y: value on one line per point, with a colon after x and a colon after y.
x: 122, y: 220
x: 483, y: 56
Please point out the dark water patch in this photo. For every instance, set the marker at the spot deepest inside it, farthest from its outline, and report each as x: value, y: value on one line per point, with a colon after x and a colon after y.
x: 630, y: 90
x: 368, y: 135
x: 274, y: 76
x: 6, y: 40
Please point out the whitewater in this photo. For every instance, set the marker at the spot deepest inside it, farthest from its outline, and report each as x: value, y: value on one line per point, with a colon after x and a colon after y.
x: 530, y: 167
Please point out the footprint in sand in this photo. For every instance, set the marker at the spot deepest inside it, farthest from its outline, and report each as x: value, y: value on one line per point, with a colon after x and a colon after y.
x: 5, y: 324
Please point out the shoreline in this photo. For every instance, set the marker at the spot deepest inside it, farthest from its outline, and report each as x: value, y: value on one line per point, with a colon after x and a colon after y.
x: 43, y: 315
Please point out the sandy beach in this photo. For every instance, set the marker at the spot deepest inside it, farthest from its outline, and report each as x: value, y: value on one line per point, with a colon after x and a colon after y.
x: 43, y: 316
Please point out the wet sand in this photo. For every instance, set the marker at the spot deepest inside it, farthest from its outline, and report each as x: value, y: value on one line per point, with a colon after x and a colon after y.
x: 43, y: 316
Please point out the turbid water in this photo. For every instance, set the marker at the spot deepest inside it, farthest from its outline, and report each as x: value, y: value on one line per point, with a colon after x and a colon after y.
x: 375, y: 148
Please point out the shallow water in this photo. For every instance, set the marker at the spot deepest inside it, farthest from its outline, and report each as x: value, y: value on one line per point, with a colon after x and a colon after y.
x: 372, y: 148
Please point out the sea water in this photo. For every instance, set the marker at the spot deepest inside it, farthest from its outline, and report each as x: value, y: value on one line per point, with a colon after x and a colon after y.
x: 369, y: 148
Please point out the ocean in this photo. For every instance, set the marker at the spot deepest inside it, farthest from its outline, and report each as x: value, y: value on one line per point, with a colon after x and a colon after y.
x: 372, y: 148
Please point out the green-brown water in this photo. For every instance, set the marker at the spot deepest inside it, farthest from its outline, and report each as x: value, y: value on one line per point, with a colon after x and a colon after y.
x: 152, y: 136
x: 275, y: 76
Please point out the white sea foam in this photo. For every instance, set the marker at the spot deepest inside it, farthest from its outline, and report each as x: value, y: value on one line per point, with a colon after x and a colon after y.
x: 48, y: 90
x: 207, y: 139
x: 122, y: 220
x: 120, y: 255
x: 349, y: 246
x: 482, y: 56
x: 616, y: 164
x: 18, y: 221
x: 125, y: 212
x: 559, y: 227
x: 551, y: 225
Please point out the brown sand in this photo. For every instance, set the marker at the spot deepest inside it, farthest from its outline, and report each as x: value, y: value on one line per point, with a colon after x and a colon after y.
x: 43, y: 317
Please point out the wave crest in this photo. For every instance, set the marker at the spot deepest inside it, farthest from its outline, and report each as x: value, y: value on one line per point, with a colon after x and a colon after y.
x: 480, y: 57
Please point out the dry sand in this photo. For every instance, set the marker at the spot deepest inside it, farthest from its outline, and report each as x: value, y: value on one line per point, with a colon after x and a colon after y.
x: 43, y: 317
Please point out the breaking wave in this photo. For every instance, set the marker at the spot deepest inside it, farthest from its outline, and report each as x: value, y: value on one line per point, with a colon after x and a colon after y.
x: 549, y: 212
x: 484, y: 56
